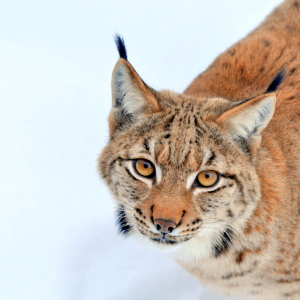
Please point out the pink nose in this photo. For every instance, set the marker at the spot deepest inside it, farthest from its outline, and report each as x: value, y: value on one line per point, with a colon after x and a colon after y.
x: 164, y: 226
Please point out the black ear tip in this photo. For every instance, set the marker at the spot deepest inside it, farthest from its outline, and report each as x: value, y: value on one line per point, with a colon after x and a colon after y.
x: 121, y: 46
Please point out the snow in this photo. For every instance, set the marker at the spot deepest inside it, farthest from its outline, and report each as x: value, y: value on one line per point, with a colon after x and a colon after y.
x: 58, y: 238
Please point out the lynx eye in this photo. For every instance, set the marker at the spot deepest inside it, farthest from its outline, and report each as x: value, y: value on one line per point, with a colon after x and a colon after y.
x: 144, y: 168
x: 207, y: 178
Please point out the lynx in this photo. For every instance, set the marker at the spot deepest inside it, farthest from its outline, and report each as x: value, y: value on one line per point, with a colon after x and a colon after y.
x: 213, y: 174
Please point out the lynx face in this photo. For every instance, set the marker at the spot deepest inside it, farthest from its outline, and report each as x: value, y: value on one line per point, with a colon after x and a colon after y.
x: 182, y: 168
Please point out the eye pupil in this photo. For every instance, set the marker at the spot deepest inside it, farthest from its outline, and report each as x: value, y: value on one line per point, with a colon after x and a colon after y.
x: 144, y: 168
x: 207, y: 178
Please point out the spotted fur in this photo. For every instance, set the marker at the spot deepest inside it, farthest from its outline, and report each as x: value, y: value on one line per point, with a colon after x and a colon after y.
x: 240, y: 118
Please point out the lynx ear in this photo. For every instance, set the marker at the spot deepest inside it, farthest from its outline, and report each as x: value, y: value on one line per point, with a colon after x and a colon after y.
x: 246, y: 121
x: 131, y: 98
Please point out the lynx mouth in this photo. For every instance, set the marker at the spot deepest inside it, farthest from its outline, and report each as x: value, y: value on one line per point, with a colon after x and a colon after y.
x: 164, y: 240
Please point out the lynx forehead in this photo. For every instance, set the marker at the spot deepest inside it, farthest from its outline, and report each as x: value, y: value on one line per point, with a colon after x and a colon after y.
x: 213, y: 174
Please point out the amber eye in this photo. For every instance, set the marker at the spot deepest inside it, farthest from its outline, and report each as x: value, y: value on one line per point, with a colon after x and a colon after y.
x: 207, y: 178
x: 144, y: 168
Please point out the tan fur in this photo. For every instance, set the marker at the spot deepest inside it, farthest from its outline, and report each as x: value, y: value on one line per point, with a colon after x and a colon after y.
x: 256, y: 203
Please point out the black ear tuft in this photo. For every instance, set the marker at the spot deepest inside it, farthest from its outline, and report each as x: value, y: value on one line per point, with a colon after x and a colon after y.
x: 276, y: 82
x: 121, y: 46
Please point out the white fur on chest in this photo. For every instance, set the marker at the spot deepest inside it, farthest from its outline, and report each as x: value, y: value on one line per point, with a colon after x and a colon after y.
x: 194, y: 250
x: 197, y: 257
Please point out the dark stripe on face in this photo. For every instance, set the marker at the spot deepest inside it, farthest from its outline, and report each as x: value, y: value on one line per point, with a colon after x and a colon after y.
x: 230, y: 176
x: 224, y: 243
x: 139, y: 211
x: 128, y: 172
x: 238, y: 183
x: 211, y: 158
x: 218, y: 189
x: 201, y: 127
x: 146, y: 145
x: 124, y: 227
x: 169, y: 123
x: 200, y: 131
x: 119, y: 158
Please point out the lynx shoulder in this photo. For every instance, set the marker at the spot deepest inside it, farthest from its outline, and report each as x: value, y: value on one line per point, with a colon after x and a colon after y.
x: 213, y: 174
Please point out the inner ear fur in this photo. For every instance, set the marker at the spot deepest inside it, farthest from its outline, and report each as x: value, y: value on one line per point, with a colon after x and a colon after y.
x: 131, y: 98
x: 246, y: 121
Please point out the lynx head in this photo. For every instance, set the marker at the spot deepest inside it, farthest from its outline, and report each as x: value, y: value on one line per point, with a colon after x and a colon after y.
x: 182, y: 168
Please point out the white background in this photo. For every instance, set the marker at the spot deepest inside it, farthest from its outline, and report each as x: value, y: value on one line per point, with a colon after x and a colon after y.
x: 58, y: 239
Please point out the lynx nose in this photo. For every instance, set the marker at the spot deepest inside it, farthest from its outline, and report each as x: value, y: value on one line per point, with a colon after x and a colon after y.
x: 164, y: 226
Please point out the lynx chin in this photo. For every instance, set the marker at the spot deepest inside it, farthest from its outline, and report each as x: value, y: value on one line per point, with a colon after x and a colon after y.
x: 213, y: 174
